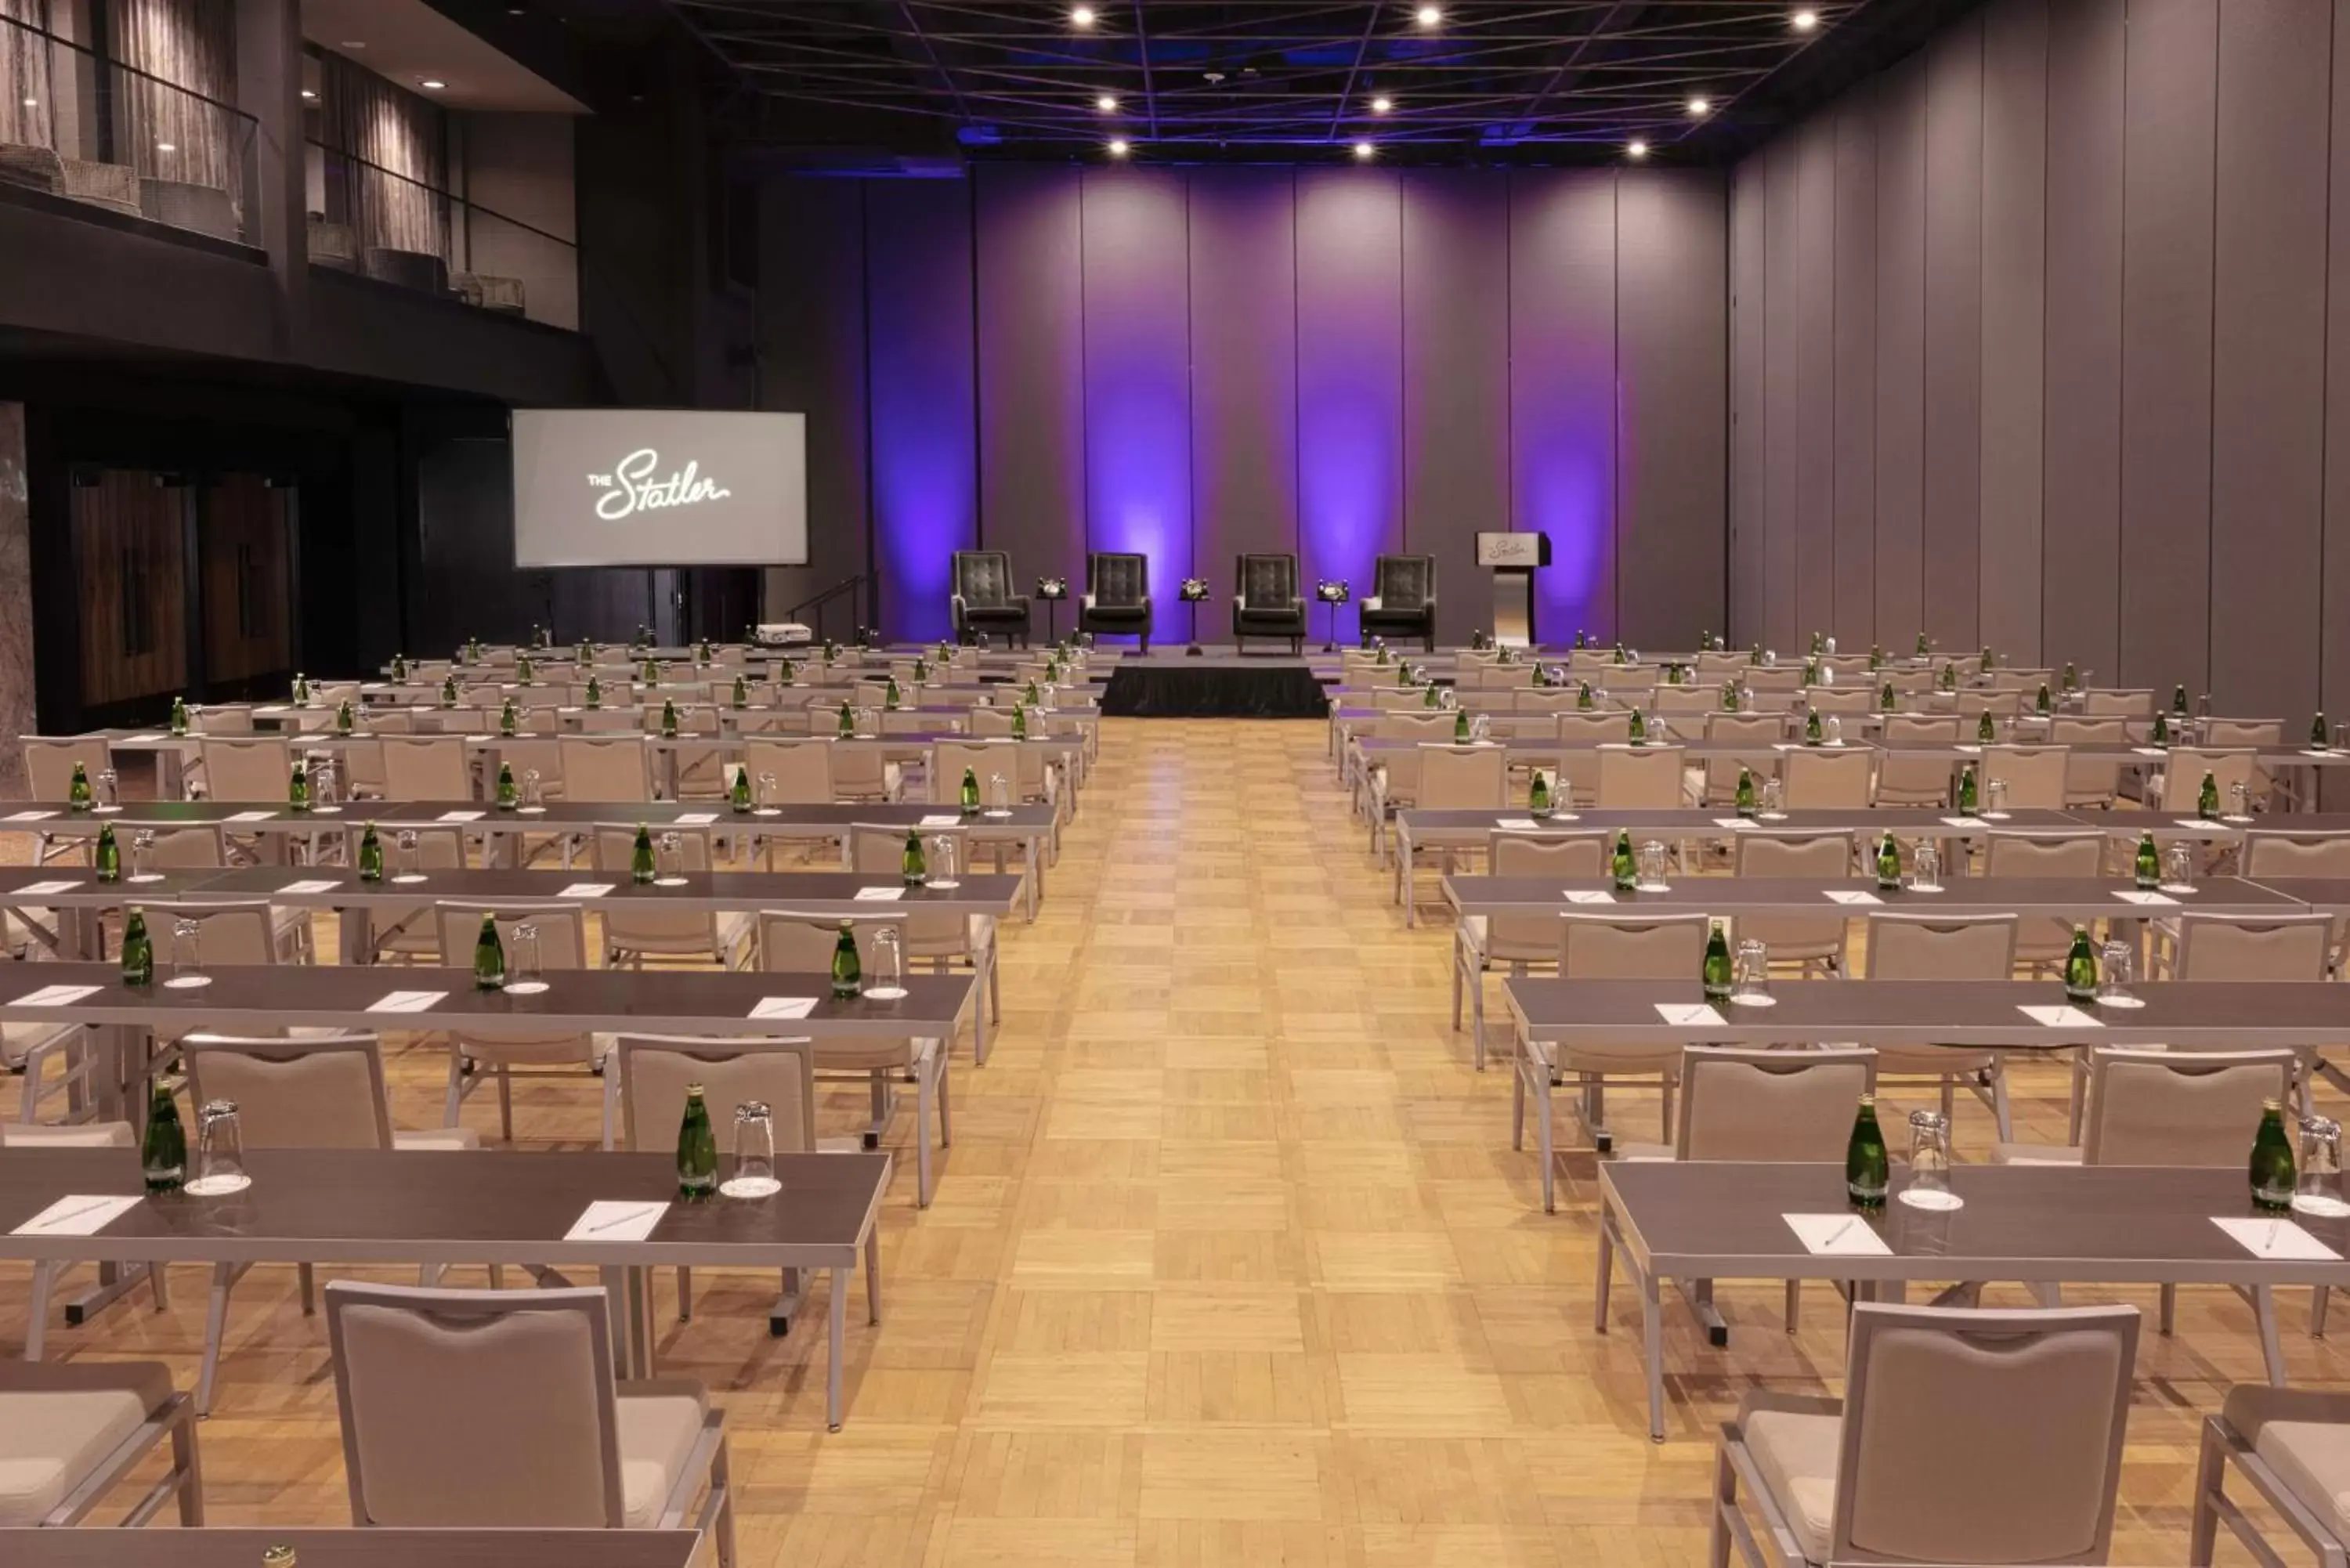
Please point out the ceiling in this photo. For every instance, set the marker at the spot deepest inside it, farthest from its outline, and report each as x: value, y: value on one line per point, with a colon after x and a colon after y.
x: 1297, y: 80
x: 408, y: 42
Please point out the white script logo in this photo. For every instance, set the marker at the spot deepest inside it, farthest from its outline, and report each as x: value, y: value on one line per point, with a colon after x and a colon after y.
x: 631, y: 487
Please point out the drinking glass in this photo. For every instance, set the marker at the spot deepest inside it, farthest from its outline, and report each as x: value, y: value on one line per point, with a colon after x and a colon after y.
x: 533, y: 791
x: 1774, y: 798
x: 670, y: 860
x: 2317, y: 1180
x: 1995, y: 799
x: 142, y: 855
x: 409, y: 861
x: 2113, y: 972
x: 1750, y: 981
x: 1480, y: 728
x: 766, y: 795
x: 1929, y: 1162
x: 1833, y: 731
x: 1926, y: 866
x: 219, y: 1151
x: 322, y: 780
x: 999, y: 796
x: 942, y: 862
x: 868, y: 722
x: 1652, y: 866
x: 1445, y: 701
x: 886, y: 966
x: 187, y: 955
x: 523, y: 976
x: 755, y: 1153
x: 109, y: 796
x: 2240, y: 800
x: 2178, y: 868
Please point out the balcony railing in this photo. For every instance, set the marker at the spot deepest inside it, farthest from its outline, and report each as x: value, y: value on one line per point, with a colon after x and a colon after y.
x: 368, y: 220
x: 78, y: 126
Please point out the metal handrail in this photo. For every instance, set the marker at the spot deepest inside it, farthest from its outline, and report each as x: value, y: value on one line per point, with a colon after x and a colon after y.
x: 817, y: 602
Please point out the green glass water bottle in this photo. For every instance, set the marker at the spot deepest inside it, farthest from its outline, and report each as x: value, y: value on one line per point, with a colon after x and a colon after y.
x: 1888, y: 863
x: 1538, y: 794
x: 1020, y: 723
x: 345, y: 720
x: 2043, y: 703
x: 179, y: 715
x: 2207, y: 799
x: 77, y: 795
x: 448, y: 691
x: 847, y: 720
x: 587, y: 654
x: 1987, y: 658
x: 2272, y: 1166
x: 1717, y: 964
x: 509, y: 721
x: 784, y: 673
x: 1986, y: 727
x: 922, y: 670
x: 371, y: 855
x: 2320, y: 738
x: 594, y: 693
x: 301, y: 689
x: 738, y: 793
x: 1819, y: 641
x: 1385, y: 658
x: 1968, y: 797
x: 1755, y: 654
x: 509, y: 797
x: 891, y: 698
x: 399, y: 668
x: 742, y: 692
x: 651, y: 673
x: 2146, y: 866
x: 2072, y: 677
x: 1924, y: 647
x: 138, y: 949
x: 2179, y: 700
x: 1887, y: 700
x: 640, y: 856
x: 1584, y: 699
x: 2081, y: 967
x: 164, y: 1152
x: 1032, y: 696
x: 1867, y: 1171
x: 1636, y: 729
x: 697, y: 1150
x: 847, y: 969
x: 1460, y: 726
x: 1729, y: 697
x: 1622, y: 866
x: 913, y: 870
x: 1432, y: 697
x: 969, y: 799
x: 297, y: 790
x: 669, y: 719
x: 1950, y: 678
x: 2160, y: 734
x: 1745, y: 791
x: 489, y: 957
x: 109, y: 858
x: 1813, y: 731
x: 525, y: 673
x: 474, y: 650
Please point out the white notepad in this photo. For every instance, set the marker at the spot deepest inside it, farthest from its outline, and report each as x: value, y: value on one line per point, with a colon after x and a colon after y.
x: 251, y: 816
x: 697, y: 818
x: 54, y: 996
x: 1971, y: 751
x: 585, y: 890
x: 299, y: 888
x: 1964, y: 822
x: 31, y: 816
x: 461, y: 816
x: 2200, y: 825
x: 78, y: 1214
x: 941, y: 819
x: 407, y: 1002
x: 1518, y: 825
x: 2149, y: 750
x: 2276, y: 1241
x: 879, y: 895
x: 1685, y: 1013
x: 783, y: 1007
x: 1735, y: 824
x: 148, y: 738
x: 1590, y: 896
x: 610, y: 1220
x: 2143, y: 896
x: 1837, y: 1236
x: 44, y: 890
x: 2065, y: 1017
x: 1852, y: 895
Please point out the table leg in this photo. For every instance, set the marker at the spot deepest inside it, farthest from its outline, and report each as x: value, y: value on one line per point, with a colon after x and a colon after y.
x: 1652, y: 1350
x: 358, y: 935
x: 171, y: 774
x: 1032, y: 879
x: 616, y: 1297
x: 1403, y: 873
x: 2272, y: 1350
x: 836, y: 1344
x: 873, y: 1276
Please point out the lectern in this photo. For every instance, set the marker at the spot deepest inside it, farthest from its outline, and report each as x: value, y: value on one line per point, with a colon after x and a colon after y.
x: 1514, y: 558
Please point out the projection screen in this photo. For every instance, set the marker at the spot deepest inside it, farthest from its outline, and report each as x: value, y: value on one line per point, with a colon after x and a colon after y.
x: 659, y: 487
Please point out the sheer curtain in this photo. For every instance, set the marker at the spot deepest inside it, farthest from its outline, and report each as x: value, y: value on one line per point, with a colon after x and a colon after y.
x: 393, y: 159
x: 171, y: 131
x: 24, y: 112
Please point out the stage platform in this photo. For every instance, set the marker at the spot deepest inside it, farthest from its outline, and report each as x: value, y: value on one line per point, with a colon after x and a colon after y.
x: 1221, y: 683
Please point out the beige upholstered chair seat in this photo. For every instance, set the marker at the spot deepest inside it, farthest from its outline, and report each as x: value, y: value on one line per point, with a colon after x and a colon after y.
x: 1796, y: 1454
x: 2304, y: 1436
x: 658, y: 1424
x: 2035, y: 1154
x: 1512, y: 945
x: 83, y: 1134
x: 437, y: 1138
x: 60, y: 1420
x: 18, y: 1041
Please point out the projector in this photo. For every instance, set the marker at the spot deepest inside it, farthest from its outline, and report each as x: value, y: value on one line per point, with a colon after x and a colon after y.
x: 781, y: 634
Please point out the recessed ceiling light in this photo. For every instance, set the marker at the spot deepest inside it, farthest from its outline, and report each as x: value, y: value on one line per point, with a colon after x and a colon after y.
x: 166, y: 147
x: 1804, y: 21
x: 1082, y: 16
x: 431, y: 84
x: 310, y: 93
x: 1636, y: 147
x: 1364, y: 150
x: 1107, y: 103
x: 1700, y: 107
x: 31, y: 103
x: 1118, y: 148
x: 1428, y: 16
x: 1381, y: 104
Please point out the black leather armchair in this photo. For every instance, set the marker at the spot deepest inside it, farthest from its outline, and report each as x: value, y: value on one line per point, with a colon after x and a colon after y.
x: 983, y: 599
x: 1266, y: 601
x: 1402, y: 601
x: 1118, y: 596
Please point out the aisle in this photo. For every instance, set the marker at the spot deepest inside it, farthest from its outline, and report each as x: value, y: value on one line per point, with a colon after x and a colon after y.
x: 1230, y: 1262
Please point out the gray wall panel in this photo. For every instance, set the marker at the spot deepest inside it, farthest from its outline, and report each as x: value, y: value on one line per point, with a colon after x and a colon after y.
x: 812, y: 343
x: 1671, y: 341
x: 1349, y: 372
x: 2268, y: 370
x: 1031, y: 360
x: 2167, y: 242
x: 1456, y: 382
x: 1813, y: 435
x: 1952, y: 540
x: 2015, y: 254
x: 1901, y: 351
x: 1855, y: 374
x: 1243, y: 256
x: 1749, y: 403
x: 2334, y: 621
x: 1783, y: 629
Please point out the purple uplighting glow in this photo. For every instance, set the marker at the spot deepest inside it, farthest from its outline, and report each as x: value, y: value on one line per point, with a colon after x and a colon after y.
x: 1349, y: 372
x: 924, y: 476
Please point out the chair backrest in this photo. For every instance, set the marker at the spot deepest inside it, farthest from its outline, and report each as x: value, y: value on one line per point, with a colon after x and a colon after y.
x: 1595, y: 728
x: 1819, y: 779
x: 2183, y: 776
x: 1948, y: 1408
x: 1825, y: 855
x: 2164, y: 1107
x: 1646, y: 778
x: 425, y: 767
x: 606, y: 768
x: 528, y: 1371
x: 2290, y: 853
x: 188, y: 848
x: 1921, y: 729
x: 2243, y: 731
x: 1841, y: 700
x: 2128, y: 704
x: 1929, y: 947
x: 2024, y: 853
x: 949, y: 759
x: 1621, y: 946
x: 49, y: 762
x: 1567, y: 856
x: 313, y: 1093
x: 249, y: 767
x: 1770, y: 1104
x: 2035, y: 775
x: 562, y: 931
x: 802, y: 770
x: 792, y: 942
x: 229, y: 931
x: 614, y: 848
x: 983, y: 577
x: 2109, y: 729
x: 1265, y: 579
x: 655, y: 1070
x: 1404, y: 582
x: 1414, y: 726
x: 1684, y: 700
x: 1117, y: 579
x: 1463, y: 778
x: 2272, y: 947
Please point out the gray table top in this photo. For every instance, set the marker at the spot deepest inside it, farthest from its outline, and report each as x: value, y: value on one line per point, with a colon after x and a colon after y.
x: 581, y: 1000
x: 478, y: 816
x: 1855, y: 896
x: 2110, y: 1224
x: 1976, y: 1013
x: 471, y: 1205
x: 218, y: 1547
x: 828, y: 892
x: 1427, y: 826
x: 1698, y: 748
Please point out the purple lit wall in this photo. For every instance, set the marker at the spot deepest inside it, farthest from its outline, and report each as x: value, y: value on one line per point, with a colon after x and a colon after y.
x: 1333, y: 361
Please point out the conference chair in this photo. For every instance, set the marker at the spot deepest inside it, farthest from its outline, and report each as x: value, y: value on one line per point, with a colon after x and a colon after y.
x: 637, y: 929
x: 939, y: 939
x: 2035, y: 776
x: 1811, y: 942
x: 1820, y: 779
x: 1760, y: 730
x: 1997, y: 1438
x: 2289, y: 1444
x: 984, y: 599
x: 562, y: 944
x: 72, y: 1431
x: 1402, y: 601
x: 1928, y: 947
x: 1117, y: 601
x: 2133, y: 704
x: 2042, y: 942
x: 545, y: 1437
x: 1480, y: 941
x: 1266, y: 601
x: 2088, y: 779
x: 49, y: 770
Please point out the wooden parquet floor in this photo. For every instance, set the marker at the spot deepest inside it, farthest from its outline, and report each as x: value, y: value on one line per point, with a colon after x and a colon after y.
x: 1231, y: 1263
